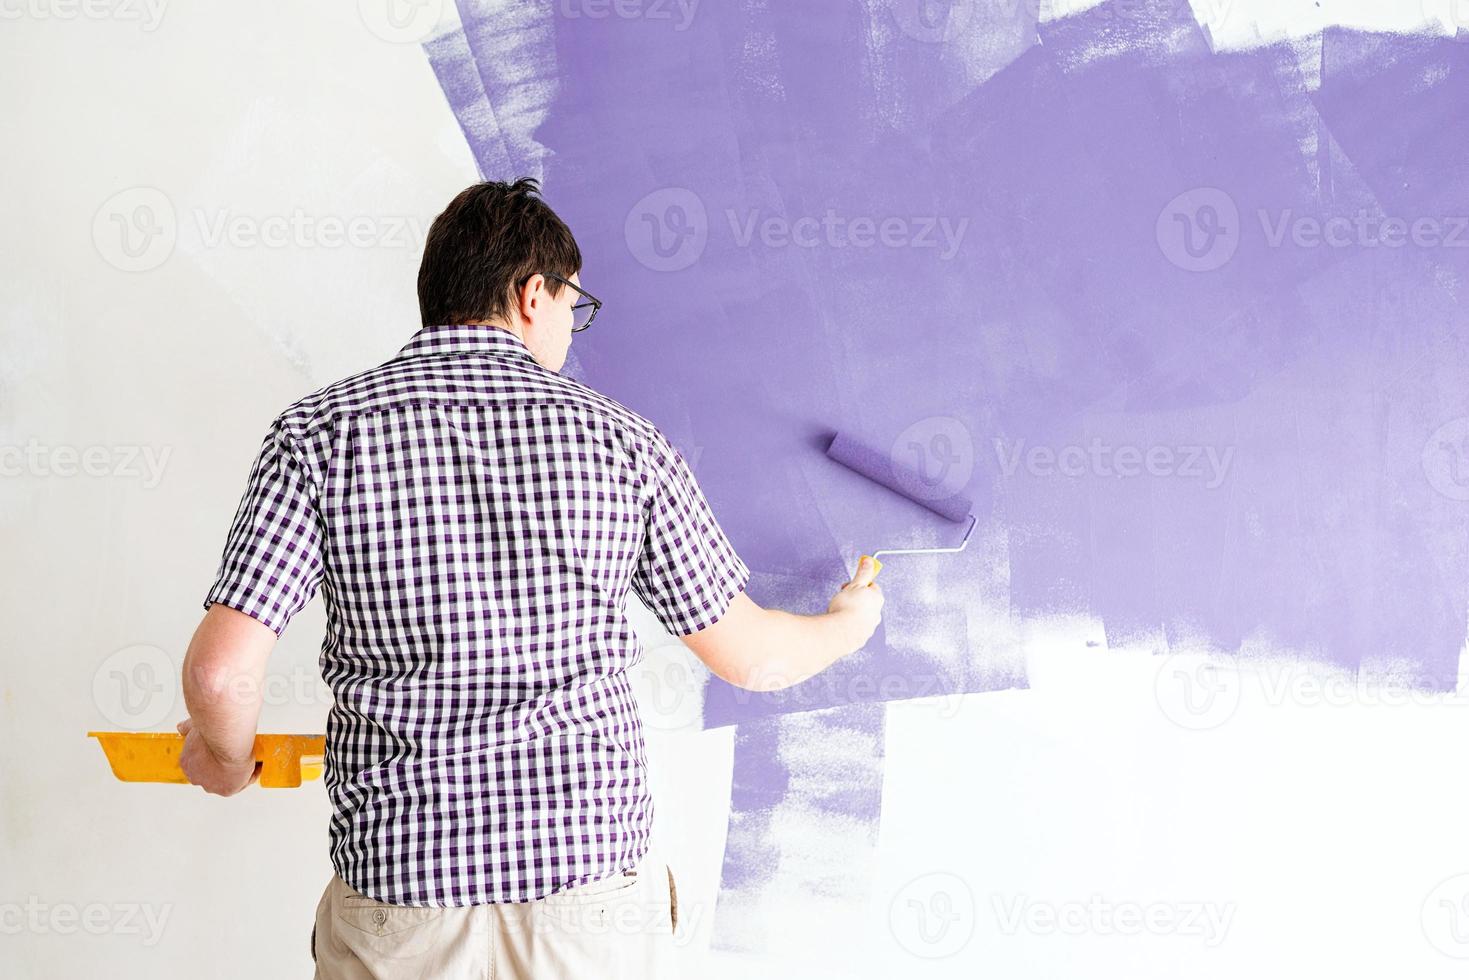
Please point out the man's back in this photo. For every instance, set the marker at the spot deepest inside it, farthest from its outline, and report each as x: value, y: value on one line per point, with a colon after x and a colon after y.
x: 475, y: 522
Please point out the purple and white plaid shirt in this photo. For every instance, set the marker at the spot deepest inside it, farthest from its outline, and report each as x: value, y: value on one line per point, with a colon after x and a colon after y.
x: 475, y: 522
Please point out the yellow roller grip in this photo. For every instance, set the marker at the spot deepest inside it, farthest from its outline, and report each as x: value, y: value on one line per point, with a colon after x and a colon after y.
x: 876, y: 565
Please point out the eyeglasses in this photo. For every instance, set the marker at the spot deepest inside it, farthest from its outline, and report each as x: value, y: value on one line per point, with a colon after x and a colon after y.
x: 583, y: 312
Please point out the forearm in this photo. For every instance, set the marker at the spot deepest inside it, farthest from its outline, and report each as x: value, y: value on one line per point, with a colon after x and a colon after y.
x: 795, y: 647
x: 223, y: 691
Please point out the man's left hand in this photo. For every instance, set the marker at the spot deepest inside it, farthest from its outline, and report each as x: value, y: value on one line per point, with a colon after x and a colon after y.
x: 203, y: 769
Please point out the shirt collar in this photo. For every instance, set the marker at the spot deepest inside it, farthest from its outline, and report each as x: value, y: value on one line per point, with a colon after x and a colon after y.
x: 459, y: 338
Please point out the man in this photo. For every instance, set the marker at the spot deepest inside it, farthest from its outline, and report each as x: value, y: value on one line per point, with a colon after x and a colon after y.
x: 475, y: 522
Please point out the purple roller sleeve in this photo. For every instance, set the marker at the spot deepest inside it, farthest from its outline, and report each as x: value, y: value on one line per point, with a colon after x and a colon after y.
x: 881, y: 468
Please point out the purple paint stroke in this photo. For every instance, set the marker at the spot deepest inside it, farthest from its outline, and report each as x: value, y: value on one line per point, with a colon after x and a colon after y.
x: 1394, y: 106
x: 511, y: 47
x: 458, y: 76
x: 1060, y: 312
x: 820, y: 772
x: 1072, y: 155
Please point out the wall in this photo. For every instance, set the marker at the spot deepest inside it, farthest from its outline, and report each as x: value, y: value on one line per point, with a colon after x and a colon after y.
x: 1222, y: 698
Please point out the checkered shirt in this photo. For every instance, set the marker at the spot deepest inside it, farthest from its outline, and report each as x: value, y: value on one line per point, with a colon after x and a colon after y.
x: 474, y: 522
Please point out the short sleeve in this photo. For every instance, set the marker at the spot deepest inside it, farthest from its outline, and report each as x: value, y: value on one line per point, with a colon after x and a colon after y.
x: 272, y: 563
x: 688, y: 571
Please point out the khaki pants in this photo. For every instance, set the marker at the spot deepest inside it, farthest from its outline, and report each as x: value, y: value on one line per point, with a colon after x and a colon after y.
x: 619, y: 928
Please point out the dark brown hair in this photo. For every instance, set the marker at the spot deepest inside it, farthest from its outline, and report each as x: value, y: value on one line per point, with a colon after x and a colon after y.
x: 488, y: 242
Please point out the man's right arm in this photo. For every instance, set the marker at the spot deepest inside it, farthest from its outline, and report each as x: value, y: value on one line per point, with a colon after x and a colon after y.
x: 693, y: 581
x: 762, y: 649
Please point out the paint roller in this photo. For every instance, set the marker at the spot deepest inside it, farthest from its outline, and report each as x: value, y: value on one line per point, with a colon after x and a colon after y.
x: 882, y: 469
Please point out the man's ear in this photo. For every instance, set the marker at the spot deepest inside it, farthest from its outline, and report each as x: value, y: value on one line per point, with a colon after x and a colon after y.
x: 523, y: 300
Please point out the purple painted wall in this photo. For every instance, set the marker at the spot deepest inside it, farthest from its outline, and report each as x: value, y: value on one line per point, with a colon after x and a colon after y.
x: 1097, y: 261
x: 1145, y: 300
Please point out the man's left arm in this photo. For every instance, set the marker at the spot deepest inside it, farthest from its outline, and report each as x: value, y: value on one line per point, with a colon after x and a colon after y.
x: 271, y: 567
x: 224, y: 672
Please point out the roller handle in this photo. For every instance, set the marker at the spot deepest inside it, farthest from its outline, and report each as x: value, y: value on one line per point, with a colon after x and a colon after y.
x: 876, y: 566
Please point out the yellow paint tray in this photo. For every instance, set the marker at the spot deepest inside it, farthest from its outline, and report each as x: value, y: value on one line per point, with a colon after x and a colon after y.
x: 153, y: 757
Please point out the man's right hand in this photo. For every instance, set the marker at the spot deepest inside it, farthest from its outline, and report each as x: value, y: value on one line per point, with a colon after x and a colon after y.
x: 859, y: 603
x: 769, y: 649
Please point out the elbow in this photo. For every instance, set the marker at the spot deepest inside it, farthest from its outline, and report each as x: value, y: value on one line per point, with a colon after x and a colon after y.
x: 760, y: 678
x: 733, y: 665
x: 210, y: 681
x: 745, y: 648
